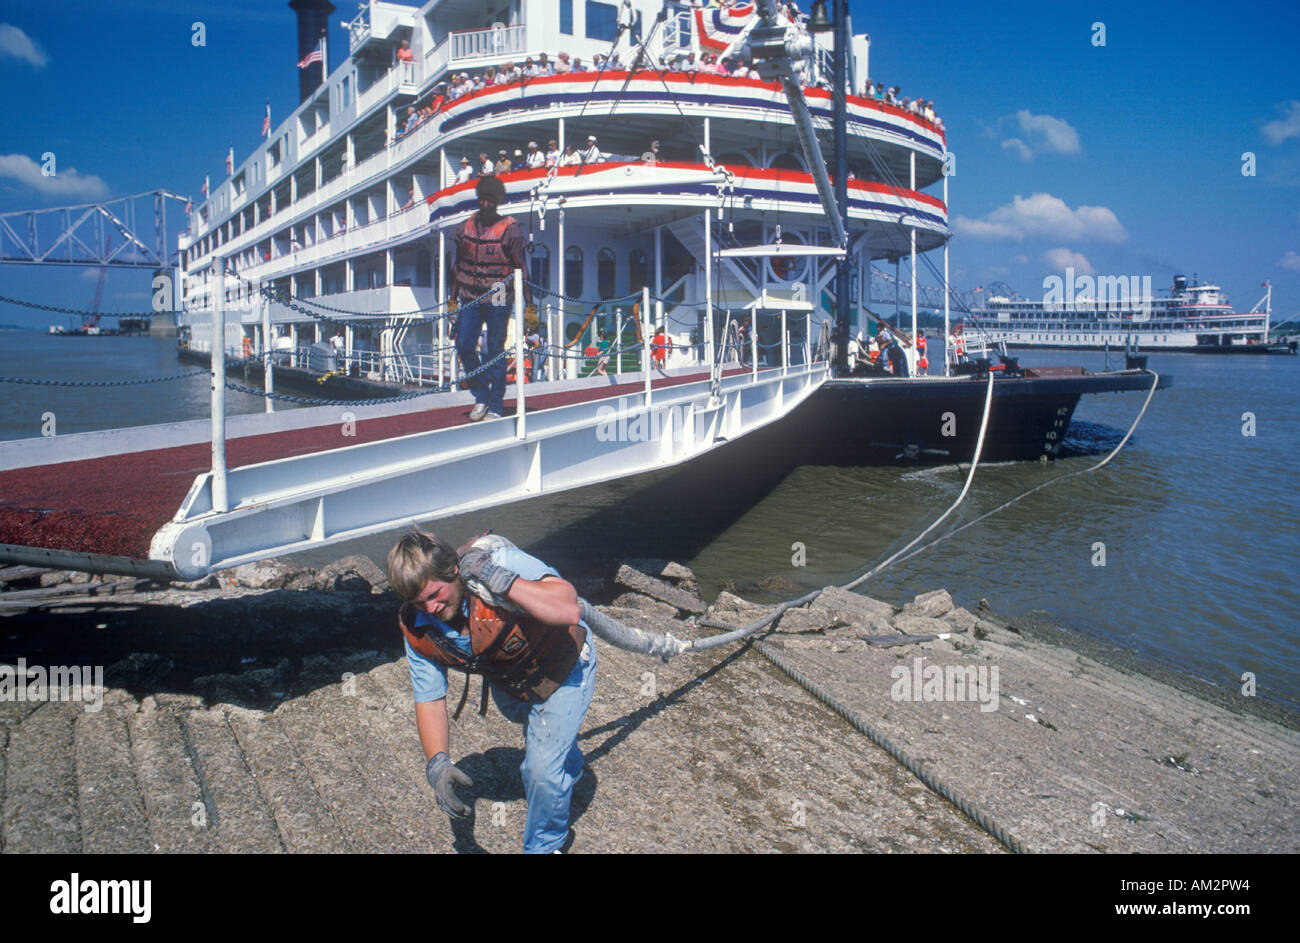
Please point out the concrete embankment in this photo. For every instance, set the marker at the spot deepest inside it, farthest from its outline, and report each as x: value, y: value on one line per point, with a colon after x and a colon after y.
x: 270, y: 710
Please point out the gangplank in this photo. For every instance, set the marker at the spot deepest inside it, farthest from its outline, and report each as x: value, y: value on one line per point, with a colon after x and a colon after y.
x: 141, y: 501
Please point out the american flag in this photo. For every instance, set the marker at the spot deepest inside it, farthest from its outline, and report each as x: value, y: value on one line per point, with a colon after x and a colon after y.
x: 230, y: 160
x: 204, y: 188
x: 314, y: 56
x: 266, y: 122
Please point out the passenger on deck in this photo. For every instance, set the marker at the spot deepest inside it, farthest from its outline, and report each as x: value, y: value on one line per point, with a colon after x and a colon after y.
x: 552, y: 154
x: 563, y: 66
x: 466, y: 172
x: 503, y: 165
x: 535, y: 158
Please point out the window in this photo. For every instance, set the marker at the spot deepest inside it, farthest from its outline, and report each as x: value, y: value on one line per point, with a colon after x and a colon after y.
x: 602, y: 21
x: 566, y: 17
x: 539, y: 266
x: 605, y: 273
x: 573, y: 271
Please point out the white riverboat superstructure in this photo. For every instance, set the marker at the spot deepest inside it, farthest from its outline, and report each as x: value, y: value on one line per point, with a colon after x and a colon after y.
x: 348, y: 206
x: 1191, y: 318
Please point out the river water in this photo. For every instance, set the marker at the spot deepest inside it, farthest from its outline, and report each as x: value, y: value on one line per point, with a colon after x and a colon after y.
x: 1199, y: 521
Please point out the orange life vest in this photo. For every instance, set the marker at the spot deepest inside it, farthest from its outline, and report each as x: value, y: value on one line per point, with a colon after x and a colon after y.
x: 524, y: 656
x: 480, y: 257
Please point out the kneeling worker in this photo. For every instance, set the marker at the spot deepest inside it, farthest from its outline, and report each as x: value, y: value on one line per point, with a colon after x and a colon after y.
x: 492, y: 609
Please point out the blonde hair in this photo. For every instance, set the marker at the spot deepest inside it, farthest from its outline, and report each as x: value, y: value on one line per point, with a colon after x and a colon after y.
x: 417, y: 558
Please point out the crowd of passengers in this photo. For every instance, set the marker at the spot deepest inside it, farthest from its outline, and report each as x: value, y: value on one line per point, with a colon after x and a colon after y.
x: 463, y: 83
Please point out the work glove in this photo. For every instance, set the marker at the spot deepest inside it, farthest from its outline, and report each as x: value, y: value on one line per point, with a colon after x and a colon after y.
x: 476, y: 566
x: 444, y: 776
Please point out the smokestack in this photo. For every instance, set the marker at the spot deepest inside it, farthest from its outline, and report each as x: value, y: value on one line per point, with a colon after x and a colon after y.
x: 313, y: 30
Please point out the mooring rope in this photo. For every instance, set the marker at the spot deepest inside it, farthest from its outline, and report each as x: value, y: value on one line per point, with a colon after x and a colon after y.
x: 666, y: 645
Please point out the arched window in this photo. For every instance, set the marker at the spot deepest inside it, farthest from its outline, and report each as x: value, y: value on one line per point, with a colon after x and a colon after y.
x: 606, y: 273
x: 539, y: 265
x: 573, y: 271
x: 788, y: 161
x: 638, y: 274
x: 788, y: 268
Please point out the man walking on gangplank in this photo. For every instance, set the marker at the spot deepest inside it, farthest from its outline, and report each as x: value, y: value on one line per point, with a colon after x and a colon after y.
x: 488, y: 247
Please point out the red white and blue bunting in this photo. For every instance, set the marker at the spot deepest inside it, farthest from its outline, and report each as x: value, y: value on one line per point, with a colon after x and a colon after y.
x: 717, y: 28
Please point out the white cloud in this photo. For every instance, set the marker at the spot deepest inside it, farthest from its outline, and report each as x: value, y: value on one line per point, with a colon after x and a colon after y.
x: 1044, y: 215
x: 1017, y: 145
x: 1049, y: 134
x: 66, y: 183
x: 1288, y: 126
x: 1061, y: 259
x: 1020, y: 259
x: 1290, y: 261
x: 14, y: 42
x: 1039, y: 134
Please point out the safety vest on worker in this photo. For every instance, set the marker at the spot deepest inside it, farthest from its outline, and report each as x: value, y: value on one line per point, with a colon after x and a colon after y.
x: 524, y: 656
x: 481, y: 260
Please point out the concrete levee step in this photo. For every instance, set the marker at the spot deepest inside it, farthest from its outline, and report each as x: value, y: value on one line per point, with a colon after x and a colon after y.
x: 173, y: 796
x: 354, y: 774
x: 304, y: 822
x: 40, y: 811
x: 402, y: 790
x: 112, y: 812
x: 238, y: 816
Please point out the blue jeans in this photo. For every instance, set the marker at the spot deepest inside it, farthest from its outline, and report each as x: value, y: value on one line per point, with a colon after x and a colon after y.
x: 489, y: 388
x: 552, y: 761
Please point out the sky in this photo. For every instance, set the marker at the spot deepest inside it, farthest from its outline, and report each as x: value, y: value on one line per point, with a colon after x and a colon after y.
x: 1111, y: 137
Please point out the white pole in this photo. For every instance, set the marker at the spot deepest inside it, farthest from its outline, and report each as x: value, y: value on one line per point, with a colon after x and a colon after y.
x: 566, y: 371
x: 220, y: 497
x: 708, y: 287
x: 912, y: 234
x: 268, y: 351
x: 785, y: 344
x: 753, y: 345
x: 519, y: 353
x: 645, y: 340
x: 946, y: 287
x: 442, y: 301
x: 807, y: 339
x: 618, y: 341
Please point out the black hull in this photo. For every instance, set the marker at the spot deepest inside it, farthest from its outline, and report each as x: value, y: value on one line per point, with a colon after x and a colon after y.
x: 879, y: 421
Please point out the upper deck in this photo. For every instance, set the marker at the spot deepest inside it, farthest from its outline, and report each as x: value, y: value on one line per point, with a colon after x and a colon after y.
x: 334, y: 164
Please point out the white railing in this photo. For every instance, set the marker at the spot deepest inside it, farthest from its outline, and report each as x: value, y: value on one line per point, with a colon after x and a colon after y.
x: 484, y: 43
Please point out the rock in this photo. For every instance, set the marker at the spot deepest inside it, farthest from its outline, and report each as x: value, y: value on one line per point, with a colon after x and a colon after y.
x: 920, y: 625
x: 871, y: 627
x: 75, y: 577
x: 640, y: 619
x: 54, y: 577
x: 779, y: 584
x: 961, y: 620
x: 137, y: 670
x: 349, y: 573
x: 663, y: 569
x: 931, y: 605
x: 636, y: 580
x: 206, y: 582
x: 651, y: 607
x: 803, y: 621
x: 274, y: 573
x: 861, y: 612
x: 733, y: 610
x: 939, y: 645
